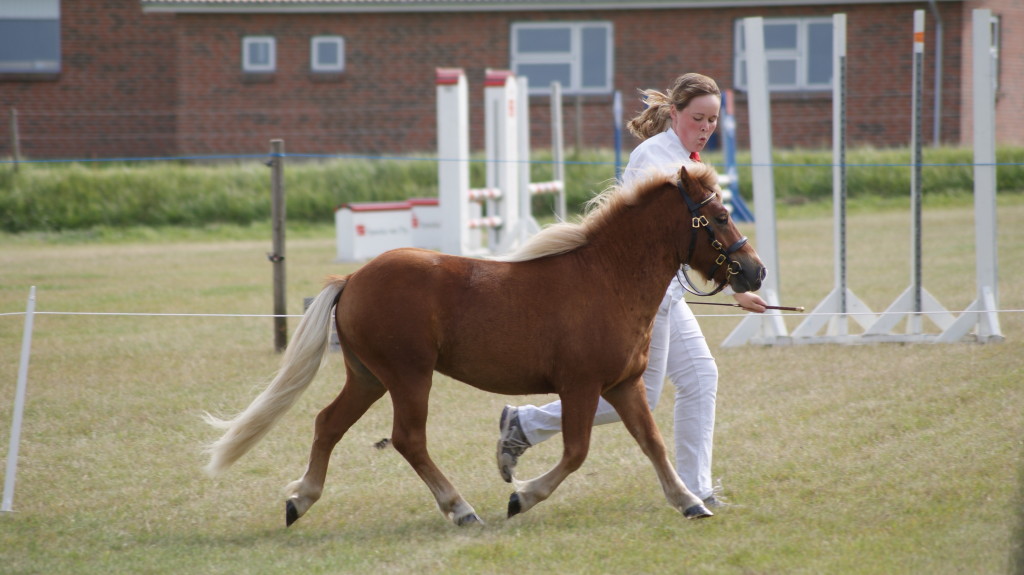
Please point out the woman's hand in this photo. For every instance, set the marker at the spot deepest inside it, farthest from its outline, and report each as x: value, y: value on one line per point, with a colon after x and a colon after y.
x: 750, y: 301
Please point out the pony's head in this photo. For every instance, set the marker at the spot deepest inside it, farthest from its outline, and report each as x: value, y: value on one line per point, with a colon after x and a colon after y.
x: 717, y: 251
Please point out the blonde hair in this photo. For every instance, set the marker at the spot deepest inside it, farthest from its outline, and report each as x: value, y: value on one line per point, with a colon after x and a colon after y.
x: 655, y: 118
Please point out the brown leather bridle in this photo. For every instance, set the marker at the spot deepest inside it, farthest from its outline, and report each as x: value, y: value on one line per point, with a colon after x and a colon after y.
x: 700, y: 221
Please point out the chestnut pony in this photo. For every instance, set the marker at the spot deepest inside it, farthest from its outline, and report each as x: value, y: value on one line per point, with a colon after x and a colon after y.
x: 570, y: 313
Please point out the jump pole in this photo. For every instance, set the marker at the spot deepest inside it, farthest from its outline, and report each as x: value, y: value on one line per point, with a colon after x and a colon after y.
x: 982, y: 313
x: 558, y: 147
x: 508, y: 191
x: 527, y: 225
x: 457, y: 237
x: 915, y: 302
x: 617, y: 132
x: 501, y: 93
x: 769, y: 327
x: 841, y: 300
x: 740, y: 211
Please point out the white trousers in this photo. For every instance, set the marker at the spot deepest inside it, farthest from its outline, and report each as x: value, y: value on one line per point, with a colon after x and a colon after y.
x: 679, y: 352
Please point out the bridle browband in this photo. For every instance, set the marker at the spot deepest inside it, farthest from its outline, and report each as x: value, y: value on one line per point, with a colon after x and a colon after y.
x: 700, y: 221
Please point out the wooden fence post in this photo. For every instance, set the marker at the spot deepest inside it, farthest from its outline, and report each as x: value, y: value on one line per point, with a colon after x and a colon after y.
x: 15, y: 142
x: 277, y: 215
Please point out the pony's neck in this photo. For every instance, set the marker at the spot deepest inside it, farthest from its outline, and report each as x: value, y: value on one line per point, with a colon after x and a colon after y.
x: 643, y: 245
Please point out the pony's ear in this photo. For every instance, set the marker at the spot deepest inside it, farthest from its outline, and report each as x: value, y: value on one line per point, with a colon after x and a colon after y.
x: 684, y: 177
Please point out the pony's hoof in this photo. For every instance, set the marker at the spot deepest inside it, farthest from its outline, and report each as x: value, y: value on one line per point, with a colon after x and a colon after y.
x: 697, y: 511
x: 514, y: 507
x: 291, y: 514
x: 471, y: 519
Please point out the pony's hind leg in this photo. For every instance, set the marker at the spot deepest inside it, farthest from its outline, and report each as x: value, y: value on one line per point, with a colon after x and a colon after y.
x: 358, y: 394
x: 629, y: 401
x: 409, y: 437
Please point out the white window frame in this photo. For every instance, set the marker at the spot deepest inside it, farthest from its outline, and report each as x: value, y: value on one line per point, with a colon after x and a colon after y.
x: 799, y: 55
x: 248, y: 43
x: 573, y: 58
x: 314, y: 51
x: 36, y: 18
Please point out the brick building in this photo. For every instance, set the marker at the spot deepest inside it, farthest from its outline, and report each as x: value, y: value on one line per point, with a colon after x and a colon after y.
x: 136, y: 78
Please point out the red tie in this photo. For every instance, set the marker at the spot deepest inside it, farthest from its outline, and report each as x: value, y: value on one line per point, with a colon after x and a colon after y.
x: 695, y: 156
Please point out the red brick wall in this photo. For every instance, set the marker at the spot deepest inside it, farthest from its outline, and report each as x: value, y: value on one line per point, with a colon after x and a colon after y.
x: 1010, y: 96
x: 384, y: 102
x: 137, y: 84
x: 114, y: 96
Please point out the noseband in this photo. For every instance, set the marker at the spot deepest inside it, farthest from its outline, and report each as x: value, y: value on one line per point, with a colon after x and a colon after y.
x: 700, y: 221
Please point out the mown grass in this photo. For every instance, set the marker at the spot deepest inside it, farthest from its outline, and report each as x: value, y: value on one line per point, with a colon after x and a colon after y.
x: 77, y: 196
x: 886, y: 458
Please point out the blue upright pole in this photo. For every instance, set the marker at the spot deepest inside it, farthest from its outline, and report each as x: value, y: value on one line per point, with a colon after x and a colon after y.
x: 617, y: 113
x: 740, y: 211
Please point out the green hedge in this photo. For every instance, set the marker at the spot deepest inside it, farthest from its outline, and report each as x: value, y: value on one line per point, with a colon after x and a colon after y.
x: 67, y: 196
x: 806, y: 176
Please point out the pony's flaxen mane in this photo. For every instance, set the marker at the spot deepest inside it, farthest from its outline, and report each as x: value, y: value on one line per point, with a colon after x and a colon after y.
x: 564, y: 237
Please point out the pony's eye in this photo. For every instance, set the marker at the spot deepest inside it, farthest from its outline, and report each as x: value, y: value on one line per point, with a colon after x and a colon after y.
x: 722, y: 219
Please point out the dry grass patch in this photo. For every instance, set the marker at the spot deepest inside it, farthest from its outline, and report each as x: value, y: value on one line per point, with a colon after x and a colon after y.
x: 839, y: 459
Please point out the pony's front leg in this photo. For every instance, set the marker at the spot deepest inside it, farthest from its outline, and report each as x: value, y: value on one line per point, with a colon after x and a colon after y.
x: 629, y: 400
x: 577, y: 421
x: 331, y: 424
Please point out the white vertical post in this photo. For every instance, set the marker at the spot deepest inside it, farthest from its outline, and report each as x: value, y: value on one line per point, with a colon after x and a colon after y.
x: 914, y: 320
x: 19, y: 404
x: 453, y: 161
x: 983, y: 311
x: 834, y: 308
x: 769, y: 326
x: 558, y: 146
x: 526, y: 226
x: 985, y: 169
x: 839, y: 165
x: 522, y: 124
x: 500, y: 95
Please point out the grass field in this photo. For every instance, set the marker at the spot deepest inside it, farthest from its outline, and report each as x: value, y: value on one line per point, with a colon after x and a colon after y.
x: 888, y: 458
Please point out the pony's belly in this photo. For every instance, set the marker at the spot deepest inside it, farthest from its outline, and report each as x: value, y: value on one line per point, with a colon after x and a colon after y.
x: 507, y: 381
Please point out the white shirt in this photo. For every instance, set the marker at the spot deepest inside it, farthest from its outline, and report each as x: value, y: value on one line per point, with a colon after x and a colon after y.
x: 661, y: 153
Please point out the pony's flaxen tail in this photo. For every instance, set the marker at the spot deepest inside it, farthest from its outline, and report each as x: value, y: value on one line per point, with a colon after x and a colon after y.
x: 299, y: 366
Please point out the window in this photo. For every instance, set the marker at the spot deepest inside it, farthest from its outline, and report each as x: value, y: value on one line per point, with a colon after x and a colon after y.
x: 259, y: 54
x: 327, y: 54
x: 798, y: 52
x: 30, y: 36
x: 576, y: 54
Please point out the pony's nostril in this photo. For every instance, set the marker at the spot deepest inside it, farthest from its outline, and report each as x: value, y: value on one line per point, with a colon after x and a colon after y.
x: 762, y: 273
